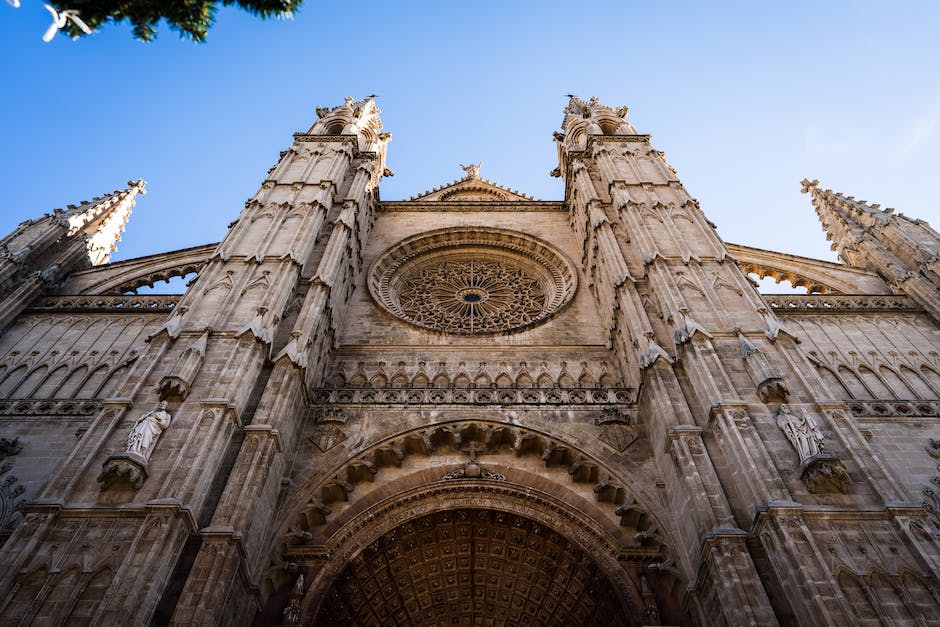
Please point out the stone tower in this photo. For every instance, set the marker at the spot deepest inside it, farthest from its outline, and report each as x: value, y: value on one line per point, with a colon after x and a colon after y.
x: 470, y: 406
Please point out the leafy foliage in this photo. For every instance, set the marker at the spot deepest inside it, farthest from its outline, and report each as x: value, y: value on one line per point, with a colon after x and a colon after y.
x: 192, y: 18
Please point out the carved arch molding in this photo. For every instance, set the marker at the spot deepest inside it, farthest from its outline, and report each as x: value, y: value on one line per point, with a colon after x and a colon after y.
x: 436, y: 547
x: 494, y: 554
x: 127, y: 276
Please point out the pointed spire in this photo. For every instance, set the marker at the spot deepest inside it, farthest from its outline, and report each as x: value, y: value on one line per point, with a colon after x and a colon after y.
x: 102, y: 220
x: 905, y: 252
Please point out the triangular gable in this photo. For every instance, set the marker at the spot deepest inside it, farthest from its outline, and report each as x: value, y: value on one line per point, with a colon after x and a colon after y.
x: 471, y: 188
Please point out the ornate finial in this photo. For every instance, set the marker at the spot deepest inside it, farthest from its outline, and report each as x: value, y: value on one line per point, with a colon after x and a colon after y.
x: 472, y: 170
x: 808, y: 185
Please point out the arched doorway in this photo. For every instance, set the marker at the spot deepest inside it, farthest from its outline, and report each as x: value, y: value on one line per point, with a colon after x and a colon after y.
x: 472, y: 567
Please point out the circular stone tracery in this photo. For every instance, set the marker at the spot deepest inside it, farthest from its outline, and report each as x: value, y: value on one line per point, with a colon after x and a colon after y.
x: 475, y: 281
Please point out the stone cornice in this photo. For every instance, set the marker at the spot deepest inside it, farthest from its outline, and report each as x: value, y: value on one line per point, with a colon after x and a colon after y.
x: 790, y: 509
x: 471, y: 206
x: 59, y: 508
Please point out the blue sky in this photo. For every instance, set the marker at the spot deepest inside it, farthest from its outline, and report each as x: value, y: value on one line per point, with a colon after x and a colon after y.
x: 745, y: 98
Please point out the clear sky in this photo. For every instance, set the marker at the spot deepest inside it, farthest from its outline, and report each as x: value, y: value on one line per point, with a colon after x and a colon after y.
x: 745, y: 98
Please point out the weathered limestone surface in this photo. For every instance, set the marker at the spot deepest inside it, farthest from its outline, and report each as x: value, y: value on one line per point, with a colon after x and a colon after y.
x: 471, y: 404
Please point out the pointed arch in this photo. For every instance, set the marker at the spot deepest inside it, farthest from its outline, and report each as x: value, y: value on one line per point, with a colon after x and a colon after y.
x: 72, y: 383
x: 854, y: 590
x: 504, y: 380
x: 91, y: 596
x: 833, y: 383
x: 852, y: 383
x: 896, y: 384
x: 892, y: 605
x: 30, y: 382
x: 57, y: 595
x: 462, y: 380
x: 524, y: 380
x: 932, y: 378
x: 874, y: 383
x: 47, y: 388
x: 483, y: 380
x: 93, y: 382
x: 110, y: 381
x: 25, y: 596
x: 12, y: 380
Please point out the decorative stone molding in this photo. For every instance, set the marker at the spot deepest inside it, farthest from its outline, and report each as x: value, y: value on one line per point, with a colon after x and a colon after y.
x: 472, y: 281
x: 49, y: 407
x: 894, y: 408
x: 494, y: 396
x: 10, y: 490
x: 830, y: 303
x: 160, y: 304
x: 931, y: 503
x: 593, y: 373
x: 435, y: 206
x: 473, y: 470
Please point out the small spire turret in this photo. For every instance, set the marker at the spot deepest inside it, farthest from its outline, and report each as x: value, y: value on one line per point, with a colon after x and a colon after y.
x: 44, y: 251
x: 903, y: 251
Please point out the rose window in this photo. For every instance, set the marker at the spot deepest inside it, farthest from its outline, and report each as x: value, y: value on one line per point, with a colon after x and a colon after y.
x: 472, y: 281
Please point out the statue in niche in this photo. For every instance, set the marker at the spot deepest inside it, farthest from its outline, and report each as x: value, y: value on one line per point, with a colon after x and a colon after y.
x: 130, y: 467
x: 802, y: 431
x: 147, y: 429
x: 821, y: 471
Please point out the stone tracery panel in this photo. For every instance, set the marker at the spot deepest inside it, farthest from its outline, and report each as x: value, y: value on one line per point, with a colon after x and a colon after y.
x: 472, y: 281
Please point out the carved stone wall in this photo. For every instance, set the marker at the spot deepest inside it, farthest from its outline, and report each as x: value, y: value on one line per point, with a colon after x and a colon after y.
x: 474, y: 406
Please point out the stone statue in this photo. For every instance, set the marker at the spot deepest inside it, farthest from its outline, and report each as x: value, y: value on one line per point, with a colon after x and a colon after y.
x: 802, y: 431
x: 292, y: 613
x: 472, y: 170
x: 147, y: 429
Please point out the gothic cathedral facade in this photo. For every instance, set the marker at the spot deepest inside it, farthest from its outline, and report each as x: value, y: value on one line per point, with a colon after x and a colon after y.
x: 470, y: 407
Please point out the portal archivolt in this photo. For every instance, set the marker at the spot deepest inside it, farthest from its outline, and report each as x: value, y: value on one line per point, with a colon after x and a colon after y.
x: 546, y: 490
